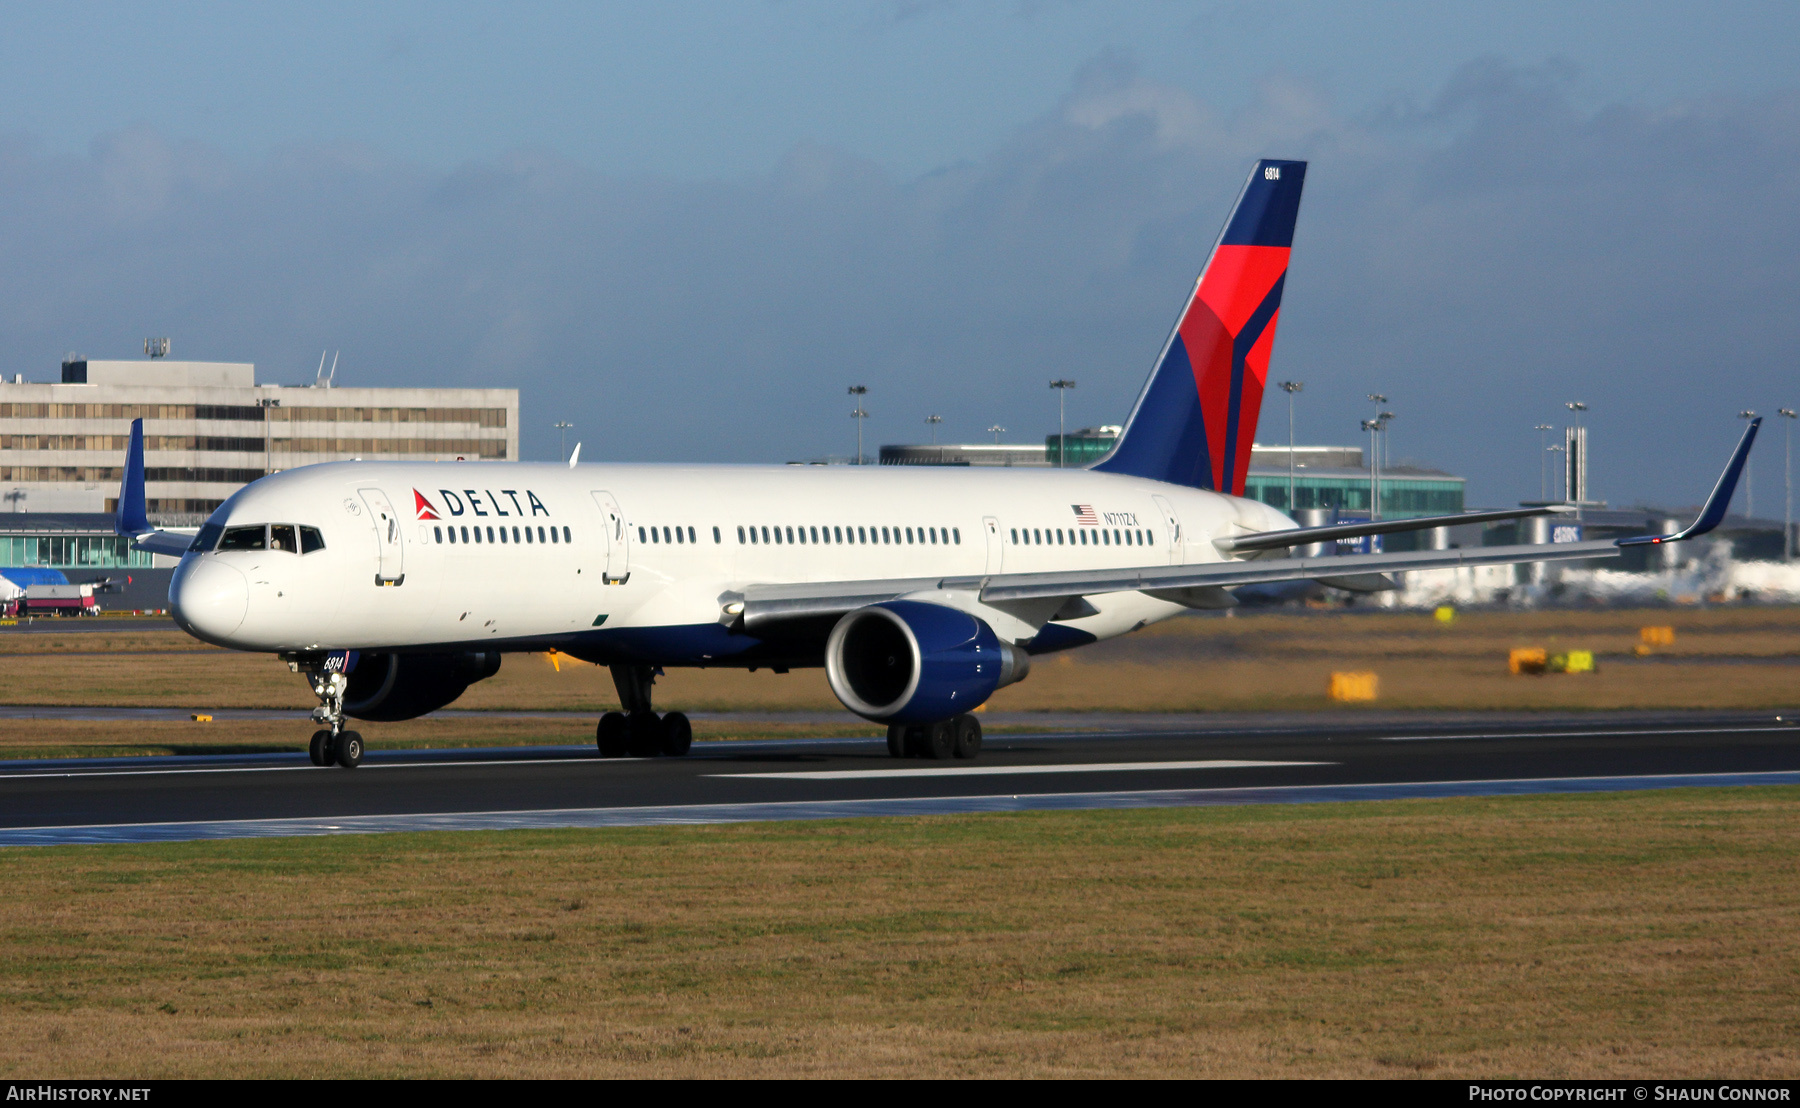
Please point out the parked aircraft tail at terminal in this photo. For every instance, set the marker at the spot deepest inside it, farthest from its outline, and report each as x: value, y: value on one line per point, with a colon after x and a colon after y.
x: 394, y: 586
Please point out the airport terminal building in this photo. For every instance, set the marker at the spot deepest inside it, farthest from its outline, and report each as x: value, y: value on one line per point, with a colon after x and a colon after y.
x: 1324, y: 477
x: 209, y: 429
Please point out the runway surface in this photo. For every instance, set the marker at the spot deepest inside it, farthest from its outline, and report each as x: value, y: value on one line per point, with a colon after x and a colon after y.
x: 1294, y: 761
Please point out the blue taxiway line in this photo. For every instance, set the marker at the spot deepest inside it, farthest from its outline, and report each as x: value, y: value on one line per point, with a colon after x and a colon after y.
x: 560, y: 818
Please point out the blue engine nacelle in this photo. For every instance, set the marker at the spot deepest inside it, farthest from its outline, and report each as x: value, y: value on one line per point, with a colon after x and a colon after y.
x: 907, y: 661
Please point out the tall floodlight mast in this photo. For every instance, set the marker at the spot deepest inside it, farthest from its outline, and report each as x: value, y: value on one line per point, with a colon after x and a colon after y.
x: 1543, y: 460
x: 1373, y: 427
x: 1291, y: 387
x: 1062, y: 385
x: 858, y: 414
x: 1787, y: 483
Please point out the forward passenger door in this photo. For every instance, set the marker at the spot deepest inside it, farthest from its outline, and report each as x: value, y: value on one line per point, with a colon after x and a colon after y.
x: 390, y: 548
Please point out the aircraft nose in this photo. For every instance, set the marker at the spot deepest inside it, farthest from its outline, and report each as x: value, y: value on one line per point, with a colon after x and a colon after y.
x: 209, y: 599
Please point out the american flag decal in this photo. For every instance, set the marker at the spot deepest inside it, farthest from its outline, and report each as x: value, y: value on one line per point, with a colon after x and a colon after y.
x: 1084, y: 515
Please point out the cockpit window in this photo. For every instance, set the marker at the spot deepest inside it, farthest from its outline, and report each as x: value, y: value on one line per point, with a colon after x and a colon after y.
x: 281, y: 537
x: 245, y: 538
x: 311, y: 540
x: 207, y: 538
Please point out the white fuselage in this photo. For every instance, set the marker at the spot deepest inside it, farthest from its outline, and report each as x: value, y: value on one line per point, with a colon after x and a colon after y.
x: 618, y: 581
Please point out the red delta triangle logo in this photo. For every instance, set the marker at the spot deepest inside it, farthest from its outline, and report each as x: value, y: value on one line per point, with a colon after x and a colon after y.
x: 423, y: 506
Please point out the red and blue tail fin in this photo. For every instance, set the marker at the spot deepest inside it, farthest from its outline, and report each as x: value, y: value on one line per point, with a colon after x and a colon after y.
x: 1195, y: 419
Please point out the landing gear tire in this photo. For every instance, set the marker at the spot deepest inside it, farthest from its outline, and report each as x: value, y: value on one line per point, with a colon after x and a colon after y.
x: 896, y: 740
x: 644, y: 735
x: 677, y: 735
x: 612, y: 735
x: 939, y: 741
x: 968, y: 736
x: 320, y: 750
x: 349, y: 749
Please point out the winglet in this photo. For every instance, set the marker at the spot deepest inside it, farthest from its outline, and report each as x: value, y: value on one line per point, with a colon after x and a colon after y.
x: 1713, y: 513
x: 574, y: 455
x: 132, y: 517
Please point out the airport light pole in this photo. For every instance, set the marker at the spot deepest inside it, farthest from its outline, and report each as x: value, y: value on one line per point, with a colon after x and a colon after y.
x: 933, y: 421
x: 1543, y: 460
x: 562, y: 437
x: 1787, y: 482
x: 1749, y: 475
x: 996, y: 430
x: 859, y: 391
x: 1291, y: 387
x: 1378, y: 400
x: 1387, y: 442
x: 1373, y: 427
x: 1062, y: 385
x: 1565, y: 472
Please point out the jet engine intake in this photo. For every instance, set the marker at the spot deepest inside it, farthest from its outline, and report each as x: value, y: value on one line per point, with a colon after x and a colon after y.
x: 908, y: 661
x: 389, y: 687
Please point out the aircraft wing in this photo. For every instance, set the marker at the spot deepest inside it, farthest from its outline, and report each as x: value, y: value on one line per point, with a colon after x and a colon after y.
x: 761, y: 606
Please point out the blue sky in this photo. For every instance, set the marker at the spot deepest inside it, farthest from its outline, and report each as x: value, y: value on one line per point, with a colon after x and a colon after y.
x: 686, y: 227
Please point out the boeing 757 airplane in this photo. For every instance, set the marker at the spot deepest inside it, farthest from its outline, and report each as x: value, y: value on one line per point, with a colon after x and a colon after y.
x: 392, y: 587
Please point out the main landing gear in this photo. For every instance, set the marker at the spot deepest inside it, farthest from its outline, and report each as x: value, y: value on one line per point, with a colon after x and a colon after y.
x: 332, y: 744
x: 950, y: 738
x: 638, y: 732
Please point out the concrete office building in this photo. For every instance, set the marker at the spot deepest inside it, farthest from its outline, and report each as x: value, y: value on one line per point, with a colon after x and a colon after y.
x: 209, y: 429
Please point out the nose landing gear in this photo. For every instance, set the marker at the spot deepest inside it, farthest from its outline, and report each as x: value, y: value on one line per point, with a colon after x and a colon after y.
x: 345, y: 748
x: 331, y: 743
x: 638, y: 732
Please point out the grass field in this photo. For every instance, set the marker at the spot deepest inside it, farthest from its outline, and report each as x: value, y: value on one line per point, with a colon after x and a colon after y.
x: 1622, y: 934
x: 1721, y: 658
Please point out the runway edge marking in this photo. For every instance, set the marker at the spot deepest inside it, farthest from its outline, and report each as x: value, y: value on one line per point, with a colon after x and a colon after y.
x: 670, y: 815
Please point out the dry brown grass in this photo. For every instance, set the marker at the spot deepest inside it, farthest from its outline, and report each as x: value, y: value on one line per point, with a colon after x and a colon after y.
x: 1616, y: 935
x: 1722, y: 658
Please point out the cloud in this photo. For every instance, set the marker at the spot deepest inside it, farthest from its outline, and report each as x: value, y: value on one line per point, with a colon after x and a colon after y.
x: 1480, y: 258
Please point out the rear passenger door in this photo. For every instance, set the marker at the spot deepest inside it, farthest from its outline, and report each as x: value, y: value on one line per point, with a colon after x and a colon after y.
x: 1172, y: 529
x: 617, y: 540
